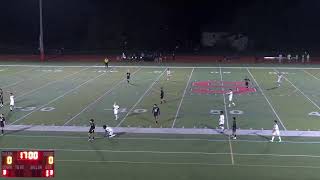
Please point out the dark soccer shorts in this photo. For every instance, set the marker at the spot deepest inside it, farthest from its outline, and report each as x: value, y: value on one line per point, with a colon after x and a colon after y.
x: 91, y: 131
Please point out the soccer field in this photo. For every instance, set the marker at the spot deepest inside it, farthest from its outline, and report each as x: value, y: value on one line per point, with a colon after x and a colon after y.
x: 54, y: 104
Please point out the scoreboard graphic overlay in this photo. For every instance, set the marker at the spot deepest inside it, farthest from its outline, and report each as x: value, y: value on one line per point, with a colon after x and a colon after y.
x: 27, y: 163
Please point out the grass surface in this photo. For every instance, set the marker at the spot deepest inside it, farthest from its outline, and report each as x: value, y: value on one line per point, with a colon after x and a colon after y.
x: 72, y: 95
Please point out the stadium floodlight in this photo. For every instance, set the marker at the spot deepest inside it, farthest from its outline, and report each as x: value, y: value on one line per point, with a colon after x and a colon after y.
x: 41, y: 46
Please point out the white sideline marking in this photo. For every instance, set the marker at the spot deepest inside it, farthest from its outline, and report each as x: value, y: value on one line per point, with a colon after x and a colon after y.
x: 300, y: 91
x: 170, y: 152
x: 55, y: 99
x: 147, y: 66
x: 274, y: 111
x: 190, y: 163
x: 140, y: 99
x: 98, y: 99
x: 226, y: 113
x: 184, y: 93
x: 311, y: 74
x: 45, y: 85
x: 162, y: 139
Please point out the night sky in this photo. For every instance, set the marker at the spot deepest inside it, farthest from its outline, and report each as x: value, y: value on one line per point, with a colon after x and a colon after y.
x: 154, y: 24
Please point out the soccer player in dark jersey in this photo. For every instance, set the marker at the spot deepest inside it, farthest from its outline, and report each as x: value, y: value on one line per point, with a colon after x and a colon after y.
x: 128, y: 76
x: 247, y: 80
x: 1, y: 98
x: 234, y: 128
x: 2, y: 123
x: 162, y: 96
x: 156, y: 112
x: 91, y: 130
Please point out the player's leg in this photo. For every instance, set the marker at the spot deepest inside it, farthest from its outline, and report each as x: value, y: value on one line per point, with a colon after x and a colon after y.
x: 156, y: 118
x: 89, y: 136
x: 278, y: 134
x: 272, y: 139
x: 111, y: 134
x: 92, y: 135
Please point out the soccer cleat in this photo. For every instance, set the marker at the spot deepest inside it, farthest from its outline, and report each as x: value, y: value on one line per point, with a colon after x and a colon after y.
x: 234, y: 137
x: 271, y: 140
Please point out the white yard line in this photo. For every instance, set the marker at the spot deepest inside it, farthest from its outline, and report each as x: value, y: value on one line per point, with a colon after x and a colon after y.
x: 26, y: 70
x: 300, y: 91
x: 182, y: 67
x: 311, y: 74
x: 1, y: 70
x: 12, y: 84
x: 59, y: 97
x: 45, y: 85
x: 226, y: 113
x: 98, y: 99
x: 271, y: 106
x: 140, y: 99
x: 28, y: 79
x: 184, y: 93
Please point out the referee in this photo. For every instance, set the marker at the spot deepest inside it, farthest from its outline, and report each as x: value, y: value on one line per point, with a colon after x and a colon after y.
x: 106, y: 62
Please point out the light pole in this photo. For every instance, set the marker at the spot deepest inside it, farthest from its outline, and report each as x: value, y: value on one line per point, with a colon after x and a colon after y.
x: 41, y: 46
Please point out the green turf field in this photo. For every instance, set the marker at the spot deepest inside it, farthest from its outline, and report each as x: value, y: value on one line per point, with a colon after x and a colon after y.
x: 71, y: 95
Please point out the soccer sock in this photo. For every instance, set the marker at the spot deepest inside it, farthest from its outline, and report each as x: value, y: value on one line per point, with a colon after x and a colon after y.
x: 272, y: 138
x: 1, y: 131
x: 116, y: 117
x: 279, y: 138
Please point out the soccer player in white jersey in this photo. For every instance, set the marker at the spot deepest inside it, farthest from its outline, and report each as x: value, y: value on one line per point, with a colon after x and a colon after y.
x: 221, y: 121
x: 275, y: 131
x: 168, y: 74
x: 279, y: 80
x: 115, y: 110
x: 11, y: 102
x: 108, y: 131
x: 230, y: 96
